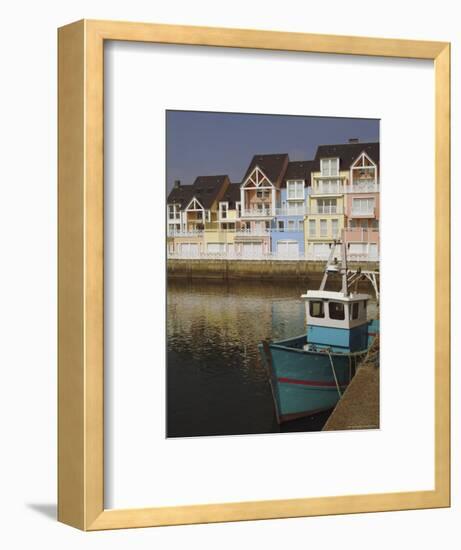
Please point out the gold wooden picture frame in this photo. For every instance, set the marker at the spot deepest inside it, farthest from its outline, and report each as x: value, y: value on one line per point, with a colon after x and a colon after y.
x: 81, y: 280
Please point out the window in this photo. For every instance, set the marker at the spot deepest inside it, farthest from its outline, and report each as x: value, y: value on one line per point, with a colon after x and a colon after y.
x: 291, y: 225
x: 352, y: 224
x: 336, y: 310
x: 323, y: 228
x: 172, y: 212
x: 334, y: 228
x: 267, y: 225
x: 295, y: 189
x: 311, y: 228
x: 300, y: 225
x: 316, y: 309
x: 329, y: 167
x: 295, y: 208
x: 328, y: 186
x: 223, y: 206
x: 262, y: 194
x: 363, y: 172
x: 363, y: 206
x: 239, y: 209
x: 354, y: 311
x: 281, y: 225
x: 326, y: 206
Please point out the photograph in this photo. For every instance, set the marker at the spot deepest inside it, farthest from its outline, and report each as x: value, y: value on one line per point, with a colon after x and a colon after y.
x: 273, y: 263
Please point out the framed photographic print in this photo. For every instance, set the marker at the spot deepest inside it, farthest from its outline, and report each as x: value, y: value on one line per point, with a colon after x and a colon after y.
x: 254, y: 272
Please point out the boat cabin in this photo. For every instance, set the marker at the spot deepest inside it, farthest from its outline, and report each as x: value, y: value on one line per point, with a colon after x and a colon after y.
x: 336, y: 321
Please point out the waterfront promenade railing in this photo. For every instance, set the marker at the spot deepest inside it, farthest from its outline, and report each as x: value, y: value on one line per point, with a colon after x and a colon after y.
x: 276, y: 256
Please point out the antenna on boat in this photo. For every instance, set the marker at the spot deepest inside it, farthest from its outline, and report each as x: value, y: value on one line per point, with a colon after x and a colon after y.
x: 349, y: 278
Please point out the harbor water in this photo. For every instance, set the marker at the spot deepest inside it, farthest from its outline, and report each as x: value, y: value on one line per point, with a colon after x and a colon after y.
x: 216, y: 383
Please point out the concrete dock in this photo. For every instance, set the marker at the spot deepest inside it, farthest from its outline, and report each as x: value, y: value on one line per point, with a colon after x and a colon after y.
x: 358, y: 408
x: 270, y: 270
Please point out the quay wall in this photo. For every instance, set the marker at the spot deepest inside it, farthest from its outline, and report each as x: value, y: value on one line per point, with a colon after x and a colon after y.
x: 252, y: 269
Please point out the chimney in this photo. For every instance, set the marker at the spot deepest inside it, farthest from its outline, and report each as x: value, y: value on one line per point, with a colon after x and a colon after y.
x: 353, y: 140
x: 177, y: 184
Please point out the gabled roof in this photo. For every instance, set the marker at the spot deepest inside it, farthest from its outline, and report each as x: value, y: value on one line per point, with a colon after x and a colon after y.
x: 206, y: 189
x: 273, y: 166
x: 181, y: 195
x: 347, y: 153
x: 231, y: 195
x: 299, y: 170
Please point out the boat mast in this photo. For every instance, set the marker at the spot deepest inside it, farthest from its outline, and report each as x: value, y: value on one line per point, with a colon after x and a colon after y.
x: 329, y: 263
x: 344, y: 268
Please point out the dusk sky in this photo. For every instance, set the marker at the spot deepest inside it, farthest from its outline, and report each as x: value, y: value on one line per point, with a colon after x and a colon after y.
x: 206, y: 144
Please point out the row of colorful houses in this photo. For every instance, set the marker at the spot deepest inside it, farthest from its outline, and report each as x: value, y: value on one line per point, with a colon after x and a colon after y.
x: 281, y: 209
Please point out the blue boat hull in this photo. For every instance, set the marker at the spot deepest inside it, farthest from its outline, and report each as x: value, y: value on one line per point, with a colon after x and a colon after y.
x: 306, y: 382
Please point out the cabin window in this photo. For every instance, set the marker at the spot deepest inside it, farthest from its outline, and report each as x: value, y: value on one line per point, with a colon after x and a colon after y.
x: 316, y: 309
x: 336, y: 310
x: 355, y: 310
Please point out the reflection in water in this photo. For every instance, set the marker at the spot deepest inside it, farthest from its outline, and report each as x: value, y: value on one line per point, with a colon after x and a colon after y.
x: 216, y: 382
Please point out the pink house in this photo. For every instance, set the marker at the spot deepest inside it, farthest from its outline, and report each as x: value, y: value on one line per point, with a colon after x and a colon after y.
x: 361, y: 232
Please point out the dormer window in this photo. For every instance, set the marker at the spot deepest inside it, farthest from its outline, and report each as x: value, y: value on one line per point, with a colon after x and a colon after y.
x: 329, y: 167
x: 295, y: 189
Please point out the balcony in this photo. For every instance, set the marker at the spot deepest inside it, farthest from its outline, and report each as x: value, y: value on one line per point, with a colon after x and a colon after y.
x: 326, y: 209
x: 258, y: 212
x: 327, y: 186
x: 185, y: 232
x: 292, y: 211
x: 361, y: 234
x: 256, y: 232
x: 362, y: 186
x: 363, y: 213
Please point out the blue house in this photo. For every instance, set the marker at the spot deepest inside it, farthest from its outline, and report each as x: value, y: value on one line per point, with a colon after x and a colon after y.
x: 287, y: 228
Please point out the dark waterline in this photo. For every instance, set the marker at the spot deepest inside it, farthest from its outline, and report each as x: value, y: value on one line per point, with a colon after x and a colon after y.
x: 216, y: 383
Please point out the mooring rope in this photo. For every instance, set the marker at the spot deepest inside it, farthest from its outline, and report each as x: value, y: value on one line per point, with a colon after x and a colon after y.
x: 334, y: 374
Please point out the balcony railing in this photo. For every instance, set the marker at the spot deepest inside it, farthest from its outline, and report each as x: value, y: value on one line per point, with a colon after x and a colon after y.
x: 361, y: 234
x: 326, y: 209
x: 185, y: 232
x: 369, y: 212
x: 258, y: 212
x: 293, y: 211
x: 364, y: 186
x: 256, y: 232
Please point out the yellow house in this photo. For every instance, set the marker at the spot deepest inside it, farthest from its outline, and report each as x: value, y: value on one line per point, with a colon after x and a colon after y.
x: 220, y: 237
x: 344, y: 187
x: 325, y: 217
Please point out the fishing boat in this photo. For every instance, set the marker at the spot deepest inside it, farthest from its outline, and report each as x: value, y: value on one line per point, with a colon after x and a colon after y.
x: 309, y: 373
